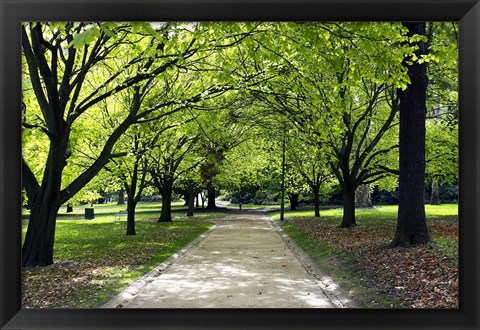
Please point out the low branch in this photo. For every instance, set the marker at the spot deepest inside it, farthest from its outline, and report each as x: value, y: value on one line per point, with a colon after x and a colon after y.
x: 29, y: 182
x: 33, y: 126
x: 98, y: 164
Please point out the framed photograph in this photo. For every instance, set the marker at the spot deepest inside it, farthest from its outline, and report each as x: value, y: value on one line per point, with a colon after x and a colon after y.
x: 14, y: 315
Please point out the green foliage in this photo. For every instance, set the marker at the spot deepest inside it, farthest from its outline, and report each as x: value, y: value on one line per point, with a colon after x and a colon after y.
x: 236, y: 91
x: 441, y: 152
x: 317, y: 74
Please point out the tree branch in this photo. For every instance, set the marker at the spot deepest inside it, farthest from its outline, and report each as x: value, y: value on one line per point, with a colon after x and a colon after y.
x: 29, y: 182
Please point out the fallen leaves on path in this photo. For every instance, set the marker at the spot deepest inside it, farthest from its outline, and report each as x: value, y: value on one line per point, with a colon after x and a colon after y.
x: 419, y: 277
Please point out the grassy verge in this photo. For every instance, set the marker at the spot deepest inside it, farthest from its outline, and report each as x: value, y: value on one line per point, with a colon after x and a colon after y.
x: 119, y: 212
x: 95, y: 260
x: 342, y: 269
x: 360, y: 260
x: 384, y: 212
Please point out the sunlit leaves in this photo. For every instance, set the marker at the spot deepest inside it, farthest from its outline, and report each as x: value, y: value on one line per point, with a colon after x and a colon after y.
x: 441, y: 152
x: 226, y: 77
x: 86, y: 37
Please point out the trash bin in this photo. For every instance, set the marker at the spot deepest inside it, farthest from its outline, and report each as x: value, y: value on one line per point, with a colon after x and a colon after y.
x: 89, y: 213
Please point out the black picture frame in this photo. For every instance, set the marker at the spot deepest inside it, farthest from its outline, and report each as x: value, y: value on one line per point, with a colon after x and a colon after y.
x: 13, y: 12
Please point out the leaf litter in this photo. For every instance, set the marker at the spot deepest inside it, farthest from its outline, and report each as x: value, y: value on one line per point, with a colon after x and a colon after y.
x: 418, y: 277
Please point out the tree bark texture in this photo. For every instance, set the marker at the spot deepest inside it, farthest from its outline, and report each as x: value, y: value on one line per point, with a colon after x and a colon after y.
x: 435, y: 195
x: 131, y: 205
x: 362, y: 196
x: 190, y: 202
x: 411, y: 225
x: 293, y: 201
x: 348, y: 219
x: 316, y: 200
x: 211, y: 198
x: 121, y: 197
x: 37, y: 249
x: 166, y: 213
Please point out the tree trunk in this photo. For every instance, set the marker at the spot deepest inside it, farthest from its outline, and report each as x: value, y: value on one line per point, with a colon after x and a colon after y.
x: 362, y: 196
x: 197, y: 204
x: 348, y: 208
x: 293, y: 201
x: 190, y: 202
x: 131, y: 205
x: 316, y: 200
x: 166, y: 214
x: 211, y: 198
x: 121, y: 197
x: 411, y: 225
x: 37, y: 249
x: 435, y: 196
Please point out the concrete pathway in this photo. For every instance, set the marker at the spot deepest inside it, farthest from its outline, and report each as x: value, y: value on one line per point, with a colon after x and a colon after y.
x: 242, y: 262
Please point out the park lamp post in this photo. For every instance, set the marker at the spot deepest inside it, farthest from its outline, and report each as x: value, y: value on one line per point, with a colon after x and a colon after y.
x: 282, y: 201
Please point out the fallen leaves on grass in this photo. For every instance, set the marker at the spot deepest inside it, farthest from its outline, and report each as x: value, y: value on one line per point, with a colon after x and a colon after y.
x: 419, y: 277
x: 84, y: 274
x: 61, y: 284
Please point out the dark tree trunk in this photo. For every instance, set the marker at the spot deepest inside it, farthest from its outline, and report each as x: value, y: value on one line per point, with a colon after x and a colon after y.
x: 316, y: 200
x: 190, y: 202
x: 197, y: 204
x: 348, y: 209
x: 131, y: 205
x: 37, y: 249
x: 411, y: 225
x: 293, y: 201
x: 435, y: 196
x: 203, y: 202
x: 362, y: 196
x: 211, y: 198
x: 121, y: 197
x: 166, y: 213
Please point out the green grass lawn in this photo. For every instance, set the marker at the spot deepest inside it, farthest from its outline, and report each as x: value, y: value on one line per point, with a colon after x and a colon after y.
x: 360, y: 260
x: 94, y: 259
x: 112, y: 211
x: 386, y: 212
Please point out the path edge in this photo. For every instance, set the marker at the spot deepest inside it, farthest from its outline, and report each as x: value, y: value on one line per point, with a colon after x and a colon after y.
x: 337, y: 295
x: 134, y: 289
